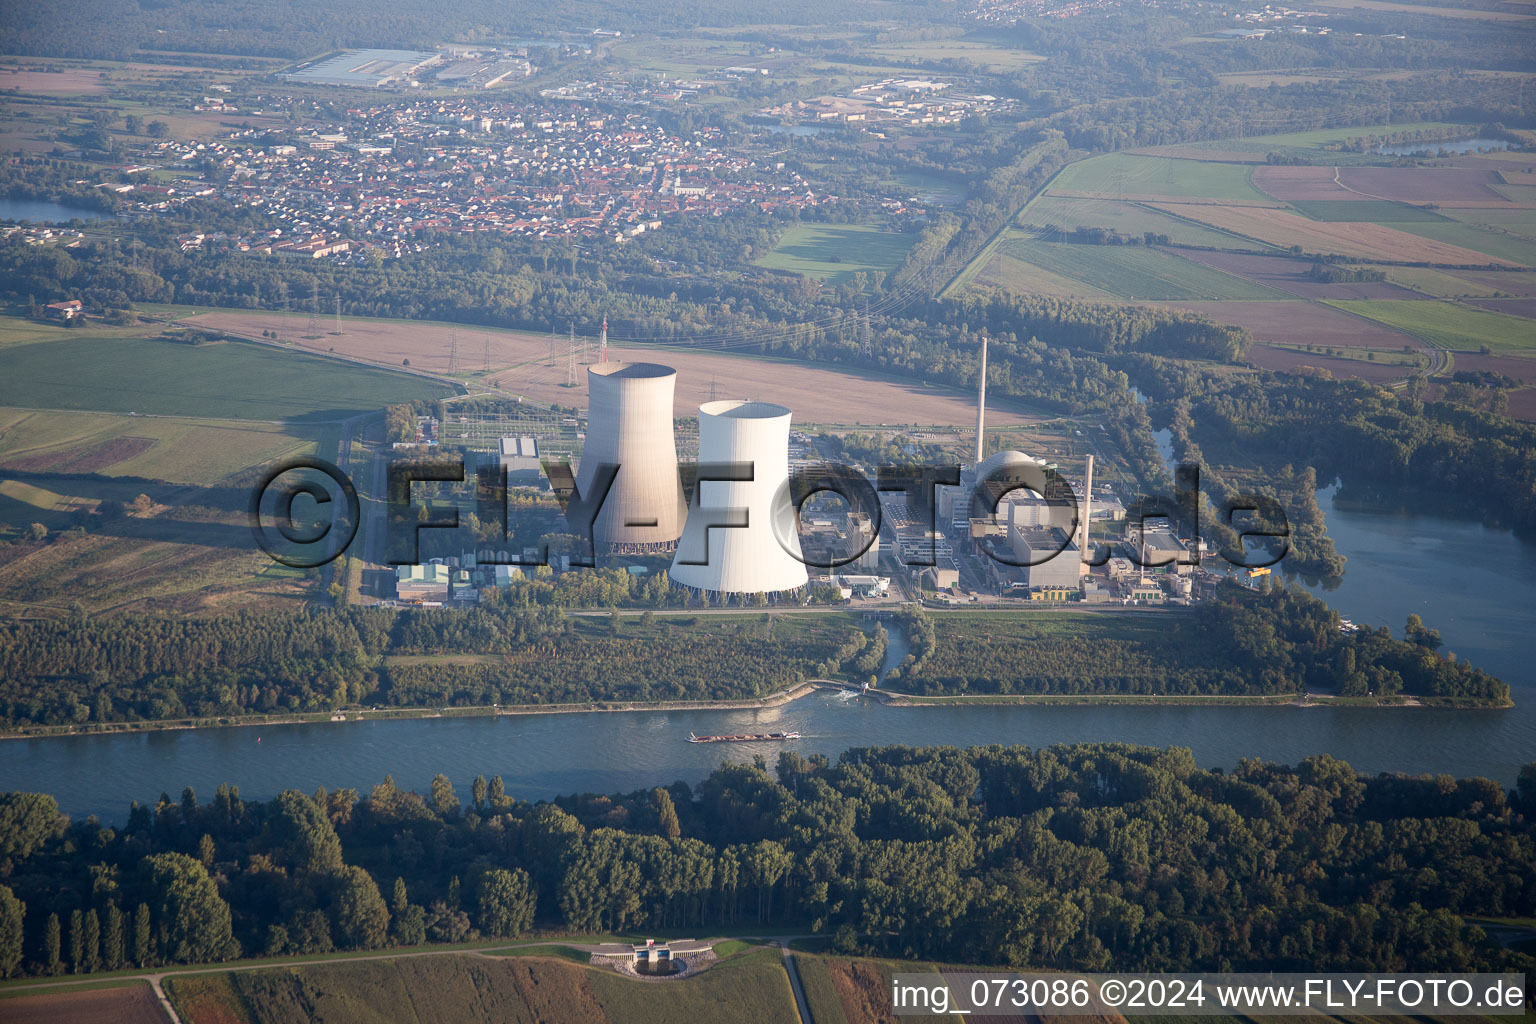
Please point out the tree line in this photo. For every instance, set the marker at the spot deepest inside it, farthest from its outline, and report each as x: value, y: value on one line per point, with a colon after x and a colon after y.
x: 1075, y: 857
x: 143, y: 667
x: 1271, y: 642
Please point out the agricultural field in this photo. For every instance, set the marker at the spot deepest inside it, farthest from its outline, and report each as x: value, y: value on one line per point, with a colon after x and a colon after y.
x: 1514, y: 283
x: 534, y: 366
x: 994, y: 56
x: 1008, y: 272
x: 1518, y: 222
x: 1414, y: 243
x: 132, y: 1003
x: 1443, y: 284
x: 1340, y: 362
x: 1134, y: 272
x: 1382, y: 184
x: 1390, y: 6
x: 450, y: 989
x: 1126, y: 218
x: 1449, y: 325
x: 1296, y: 321
x: 1373, y: 211
x: 1289, y: 276
x: 1315, y: 144
x: 835, y: 252
x: 1244, y: 235
x: 1122, y: 174
x: 174, y: 450
x: 148, y: 376
x: 1507, y: 249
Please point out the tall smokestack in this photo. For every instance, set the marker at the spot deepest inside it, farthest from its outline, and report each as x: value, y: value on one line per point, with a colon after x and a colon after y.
x: 602, y: 352
x: 981, y: 401
x: 1082, y: 545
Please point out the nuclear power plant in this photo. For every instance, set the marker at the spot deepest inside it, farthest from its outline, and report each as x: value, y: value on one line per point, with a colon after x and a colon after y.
x: 762, y: 557
x: 629, y: 425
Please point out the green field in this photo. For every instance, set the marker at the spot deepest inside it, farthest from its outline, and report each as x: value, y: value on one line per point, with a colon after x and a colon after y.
x: 226, y: 380
x: 1504, y: 247
x: 1520, y: 222
x: 996, y: 56
x: 1447, y: 324
x: 1436, y: 282
x: 836, y: 251
x: 175, y: 450
x: 1318, y: 141
x: 1124, y: 174
x: 1134, y: 271
x: 1128, y: 219
x: 1008, y: 272
x: 1371, y: 211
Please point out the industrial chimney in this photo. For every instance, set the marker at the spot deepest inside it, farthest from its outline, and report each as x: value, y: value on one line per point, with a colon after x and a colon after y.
x: 981, y: 401
x: 1082, y: 545
x: 750, y: 559
x: 629, y: 425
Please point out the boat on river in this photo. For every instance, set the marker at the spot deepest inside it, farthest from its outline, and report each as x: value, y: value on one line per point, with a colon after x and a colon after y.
x: 744, y: 737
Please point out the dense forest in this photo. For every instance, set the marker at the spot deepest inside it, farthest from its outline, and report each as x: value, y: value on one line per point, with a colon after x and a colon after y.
x: 1280, y: 641
x: 145, y: 667
x: 1075, y: 857
x: 154, y: 667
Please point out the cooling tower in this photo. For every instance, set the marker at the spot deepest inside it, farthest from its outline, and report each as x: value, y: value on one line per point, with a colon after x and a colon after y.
x: 629, y: 425
x: 743, y: 560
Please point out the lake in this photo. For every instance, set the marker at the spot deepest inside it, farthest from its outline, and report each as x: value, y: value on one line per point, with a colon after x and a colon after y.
x: 1457, y: 146
x: 43, y: 212
x: 1477, y: 586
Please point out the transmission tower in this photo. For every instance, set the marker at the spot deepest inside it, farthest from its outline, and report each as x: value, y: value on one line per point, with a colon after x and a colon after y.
x: 486, y: 355
x: 711, y: 389
x: 338, y: 312
x: 570, y: 358
x: 866, y: 342
x: 314, y: 309
x: 551, y: 344
x: 453, y: 352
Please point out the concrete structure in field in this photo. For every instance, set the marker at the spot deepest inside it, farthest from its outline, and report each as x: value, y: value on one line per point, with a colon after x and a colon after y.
x: 763, y: 556
x: 629, y: 425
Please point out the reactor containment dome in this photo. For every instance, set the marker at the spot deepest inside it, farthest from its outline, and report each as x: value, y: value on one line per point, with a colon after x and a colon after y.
x: 629, y: 425
x: 764, y: 555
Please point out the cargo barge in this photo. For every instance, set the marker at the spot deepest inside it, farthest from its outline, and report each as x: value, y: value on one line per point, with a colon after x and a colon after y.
x: 744, y: 737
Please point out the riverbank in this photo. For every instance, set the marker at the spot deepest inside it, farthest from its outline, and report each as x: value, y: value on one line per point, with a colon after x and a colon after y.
x: 773, y: 700
x: 379, y: 714
x: 1313, y: 700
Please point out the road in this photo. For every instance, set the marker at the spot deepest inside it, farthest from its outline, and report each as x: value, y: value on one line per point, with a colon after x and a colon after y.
x: 801, y: 1006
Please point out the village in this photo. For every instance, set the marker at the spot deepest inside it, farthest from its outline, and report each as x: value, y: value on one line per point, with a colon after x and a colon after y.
x: 371, y: 183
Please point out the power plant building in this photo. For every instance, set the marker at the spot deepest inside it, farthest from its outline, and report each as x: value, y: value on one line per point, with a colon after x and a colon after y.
x: 629, y: 425
x: 764, y: 555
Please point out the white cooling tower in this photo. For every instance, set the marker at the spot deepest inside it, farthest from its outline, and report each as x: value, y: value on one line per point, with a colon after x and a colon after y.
x: 752, y: 559
x: 629, y: 425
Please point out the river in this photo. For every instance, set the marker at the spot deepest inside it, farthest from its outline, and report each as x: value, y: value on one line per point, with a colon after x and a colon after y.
x: 1476, y: 585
